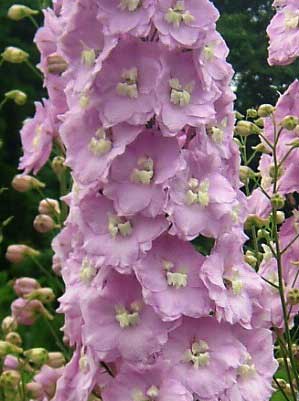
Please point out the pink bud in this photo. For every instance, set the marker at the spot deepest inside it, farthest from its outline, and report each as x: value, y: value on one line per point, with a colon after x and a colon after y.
x: 43, y: 223
x: 56, y: 360
x: 17, y: 253
x: 35, y: 391
x: 10, y: 363
x: 56, y: 265
x: 24, y: 183
x: 49, y: 206
x: 26, y: 311
x: 25, y: 285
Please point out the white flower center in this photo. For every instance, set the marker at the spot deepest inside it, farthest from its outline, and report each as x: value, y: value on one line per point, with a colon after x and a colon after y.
x: 119, y: 226
x: 100, y: 144
x: 247, y: 369
x: 151, y: 393
x: 177, y: 279
x: 88, y: 57
x: 145, y: 171
x: 87, y: 272
x: 291, y: 20
x: 177, y: 14
x: 179, y: 95
x: 128, y: 85
x: 129, y: 5
x: 198, y: 355
x: 37, y: 137
x: 83, y: 363
x: 127, y: 318
x: 198, y: 192
x: 84, y: 100
x: 209, y: 52
x: 233, y: 282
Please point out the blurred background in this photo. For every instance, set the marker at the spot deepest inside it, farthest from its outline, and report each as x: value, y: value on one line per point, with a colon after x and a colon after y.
x: 243, y: 24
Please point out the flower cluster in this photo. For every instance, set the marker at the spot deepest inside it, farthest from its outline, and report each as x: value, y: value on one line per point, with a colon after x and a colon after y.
x: 140, y: 98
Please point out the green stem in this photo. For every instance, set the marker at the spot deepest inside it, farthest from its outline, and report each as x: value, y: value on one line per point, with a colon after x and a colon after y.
x: 256, y: 248
x: 59, y: 343
x: 281, y: 389
x: 46, y: 272
x: 33, y: 20
x: 290, y: 244
x: 33, y: 69
x: 3, y: 102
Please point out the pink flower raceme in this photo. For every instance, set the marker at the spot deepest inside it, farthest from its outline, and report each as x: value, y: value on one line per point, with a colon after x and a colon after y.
x: 116, y: 317
x: 144, y: 169
x: 283, y: 33
x: 169, y: 275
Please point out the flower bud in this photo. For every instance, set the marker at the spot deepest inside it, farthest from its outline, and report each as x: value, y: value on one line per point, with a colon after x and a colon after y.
x: 280, y: 217
x: 24, y: 183
x: 56, y: 64
x: 262, y: 148
x: 8, y: 348
x: 10, y: 363
x: 10, y: 379
x: 272, y: 170
x: 289, y: 122
x: 18, y: 11
x: 246, y: 128
x: 9, y: 324
x: 25, y: 285
x: 255, y: 221
x: 14, y: 338
x: 34, y: 391
x: 263, y: 234
x: 19, y: 97
x: 58, y: 165
x: 278, y: 201
x: 49, y: 206
x: 17, y: 253
x: 56, y: 265
x: 27, y: 311
x: 250, y: 258
x: 265, y: 110
x: 56, y: 360
x: 37, y: 356
x: 43, y: 223
x: 294, y: 143
x: 44, y: 295
x: 259, y: 122
x: 251, y: 113
x: 246, y: 173
x: 293, y: 296
x: 14, y: 55
x: 239, y: 116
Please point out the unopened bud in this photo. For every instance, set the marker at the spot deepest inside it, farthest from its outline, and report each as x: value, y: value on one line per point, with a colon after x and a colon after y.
x: 294, y: 143
x: 265, y: 110
x: 14, y: 338
x: 58, y: 165
x: 289, y: 122
x: 280, y: 217
x: 263, y: 234
x: 278, y: 201
x: 251, y: 113
x: 293, y: 296
x: 8, y: 348
x: 37, y: 356
x: 56, y: 64
x: 56, y: 360
x: 34, y: 391
x: 18, y: 11
x: 246, y: 128
x: 255, y: 221
x: 27, y: 311
x: 14, y: 55
x: 276, y: 172
x: 238, y: 143
x: 24, y: 183
x: 19, y: 97
x: 259, y: 122
x: 43, y: 223
x: 17, y: 253
x: 10, y: 362
x: 49, y: 206
x: 25, y: 285
x: 250, y: 258
x: 246, y: 173
x: 239, y: 116
x: 261, y: 148
x: 44, y: 295
x: 9, y: 324
x: 10, y: 379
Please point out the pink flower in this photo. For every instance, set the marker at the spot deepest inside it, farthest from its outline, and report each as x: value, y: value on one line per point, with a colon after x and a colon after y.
x: 154, y: 382
x: 169, y: 275
x: 205, y: 356
x: 90, y: 155
x: 182, y: 97
x: 116, y: 318
x: 201, y: 199
x: 283, y: 33
x: 127, y: 83
x: 143, y: 170
x: 233, y: 285
x: 184, y: 23
x: 126, y: 16
x: 47, y: 378
x: 37, y: 135
x: 119, y: 239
